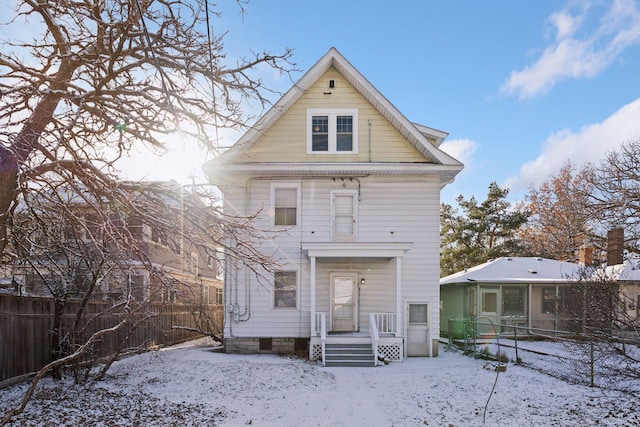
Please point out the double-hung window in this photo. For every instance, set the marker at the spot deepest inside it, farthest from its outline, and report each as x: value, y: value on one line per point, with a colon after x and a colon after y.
x: 285, y: 285
x: 344, y: 215
x: 285, y: 202
x: 332, y: 131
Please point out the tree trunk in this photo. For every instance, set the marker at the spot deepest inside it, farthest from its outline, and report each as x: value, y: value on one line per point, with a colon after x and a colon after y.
x: 57, y: 351
x: 8, y: 187
x: 26, y: 142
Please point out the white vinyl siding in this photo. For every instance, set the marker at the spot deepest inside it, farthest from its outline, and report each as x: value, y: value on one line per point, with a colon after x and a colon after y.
x: 380, y: 141
x: 378, y: 220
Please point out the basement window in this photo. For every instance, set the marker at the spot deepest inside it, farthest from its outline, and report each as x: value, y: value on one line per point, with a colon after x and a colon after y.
x: 266, y: 344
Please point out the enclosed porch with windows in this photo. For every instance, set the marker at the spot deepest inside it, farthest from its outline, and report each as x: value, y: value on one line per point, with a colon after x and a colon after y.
x: 356, y: 302
x: 499, y: 308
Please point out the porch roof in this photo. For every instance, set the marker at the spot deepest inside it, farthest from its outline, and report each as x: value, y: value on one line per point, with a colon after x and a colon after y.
x: 355, y: 250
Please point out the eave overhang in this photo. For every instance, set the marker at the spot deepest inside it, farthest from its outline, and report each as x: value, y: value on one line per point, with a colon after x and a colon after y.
x: 221, y: 170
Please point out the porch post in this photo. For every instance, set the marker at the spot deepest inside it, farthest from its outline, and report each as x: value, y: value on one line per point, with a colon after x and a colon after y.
x: 313, y: 295
x: 398, y: 296
x: 529, y: 297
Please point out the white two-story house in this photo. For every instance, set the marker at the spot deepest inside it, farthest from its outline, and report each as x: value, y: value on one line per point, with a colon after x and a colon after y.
x: 353, y: 189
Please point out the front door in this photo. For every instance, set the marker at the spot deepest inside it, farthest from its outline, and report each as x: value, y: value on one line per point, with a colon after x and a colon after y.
x: 344, y: 302
x: 489, y: 317
x: 418, y: 330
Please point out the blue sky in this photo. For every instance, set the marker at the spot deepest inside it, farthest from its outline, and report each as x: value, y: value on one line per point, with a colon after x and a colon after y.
x: 521, y: 87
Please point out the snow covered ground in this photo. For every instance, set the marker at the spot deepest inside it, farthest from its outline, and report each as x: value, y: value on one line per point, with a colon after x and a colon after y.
x: 190, y: 385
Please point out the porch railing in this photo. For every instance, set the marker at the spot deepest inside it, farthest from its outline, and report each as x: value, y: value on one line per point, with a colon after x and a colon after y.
x: 323, y: 334
x: 373, y: 331
x: 385, y: 322
x: 319, y: 315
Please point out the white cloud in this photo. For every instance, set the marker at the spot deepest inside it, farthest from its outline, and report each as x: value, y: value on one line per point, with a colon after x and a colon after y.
x: 462, y: 150
x: 565, y: 23
x: 588, y: 145
x: 578, y: 54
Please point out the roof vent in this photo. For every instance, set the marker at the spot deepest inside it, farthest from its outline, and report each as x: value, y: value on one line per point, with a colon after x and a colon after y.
x: 509, y: 258
x: 533, y: 271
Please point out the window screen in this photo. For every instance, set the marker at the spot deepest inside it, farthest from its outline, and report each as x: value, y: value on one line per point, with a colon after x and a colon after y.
x: 344, y: 133
x: 286, y: 200
x: 320, y: 133
x: 418, y: 313
x: 285, y: 289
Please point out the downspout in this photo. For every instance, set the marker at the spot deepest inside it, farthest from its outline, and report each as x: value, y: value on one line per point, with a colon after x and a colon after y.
x: 369, y: 123
x: 246, y: 315
x: 228, y: 309
x: 300, y: 259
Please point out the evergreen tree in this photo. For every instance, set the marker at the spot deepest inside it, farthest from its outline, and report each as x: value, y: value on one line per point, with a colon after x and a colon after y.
x: 482, y: 232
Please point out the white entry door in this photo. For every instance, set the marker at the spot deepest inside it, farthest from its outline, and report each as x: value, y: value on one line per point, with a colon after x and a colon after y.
x: 418, y: 329
x: 344, y: 302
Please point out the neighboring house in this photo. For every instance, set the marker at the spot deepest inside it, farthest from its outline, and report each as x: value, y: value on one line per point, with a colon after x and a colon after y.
x: 352, y: 189
x: 198, y: 277
x: 627, y: 276
x: 512, y: 291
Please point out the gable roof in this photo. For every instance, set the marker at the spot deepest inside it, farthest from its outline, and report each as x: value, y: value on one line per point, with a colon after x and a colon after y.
x: 517, y: 270
x: 417, y: 135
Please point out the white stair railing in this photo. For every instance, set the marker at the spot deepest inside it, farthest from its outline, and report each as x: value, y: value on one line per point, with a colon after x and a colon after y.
x: 373, y: 331
x: 323, y: 334
x: 386, y: 322
x: 319, y: 315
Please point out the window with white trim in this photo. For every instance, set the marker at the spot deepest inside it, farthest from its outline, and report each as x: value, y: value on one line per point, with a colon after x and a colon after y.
x: 344, y: 211
x: 332, y: 131
x: 285, y: 289
x: 285, y: 202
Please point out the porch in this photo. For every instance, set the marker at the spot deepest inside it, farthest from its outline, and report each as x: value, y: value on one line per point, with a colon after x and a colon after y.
x: 381, y: 340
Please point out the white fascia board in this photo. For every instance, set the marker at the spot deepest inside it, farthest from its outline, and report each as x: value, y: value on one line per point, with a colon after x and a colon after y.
x: 353, y: 168
x: 355, y: 250
x: 436, y: 134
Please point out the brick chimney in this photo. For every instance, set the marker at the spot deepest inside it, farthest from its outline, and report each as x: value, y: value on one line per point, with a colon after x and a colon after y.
x: 615, y: 246
x: 585, y: 255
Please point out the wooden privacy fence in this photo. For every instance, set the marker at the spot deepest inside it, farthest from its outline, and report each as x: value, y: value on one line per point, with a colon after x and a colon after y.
x: 26, y: 325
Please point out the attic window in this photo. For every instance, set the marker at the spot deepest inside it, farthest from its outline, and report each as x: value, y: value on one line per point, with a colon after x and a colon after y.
x: 332, y: 131
x: 332, y: 84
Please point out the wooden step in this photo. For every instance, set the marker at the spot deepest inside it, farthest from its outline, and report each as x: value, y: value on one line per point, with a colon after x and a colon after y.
x: 345, y: 354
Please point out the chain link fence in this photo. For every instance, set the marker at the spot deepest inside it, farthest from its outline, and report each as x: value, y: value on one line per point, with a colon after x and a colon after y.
x: 595, y: 360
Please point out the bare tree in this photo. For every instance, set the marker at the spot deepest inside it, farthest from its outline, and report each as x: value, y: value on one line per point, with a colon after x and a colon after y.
x: 615, y: 197
x: 98, y: 78
x: 606, y: 336
x: 558, y: 215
